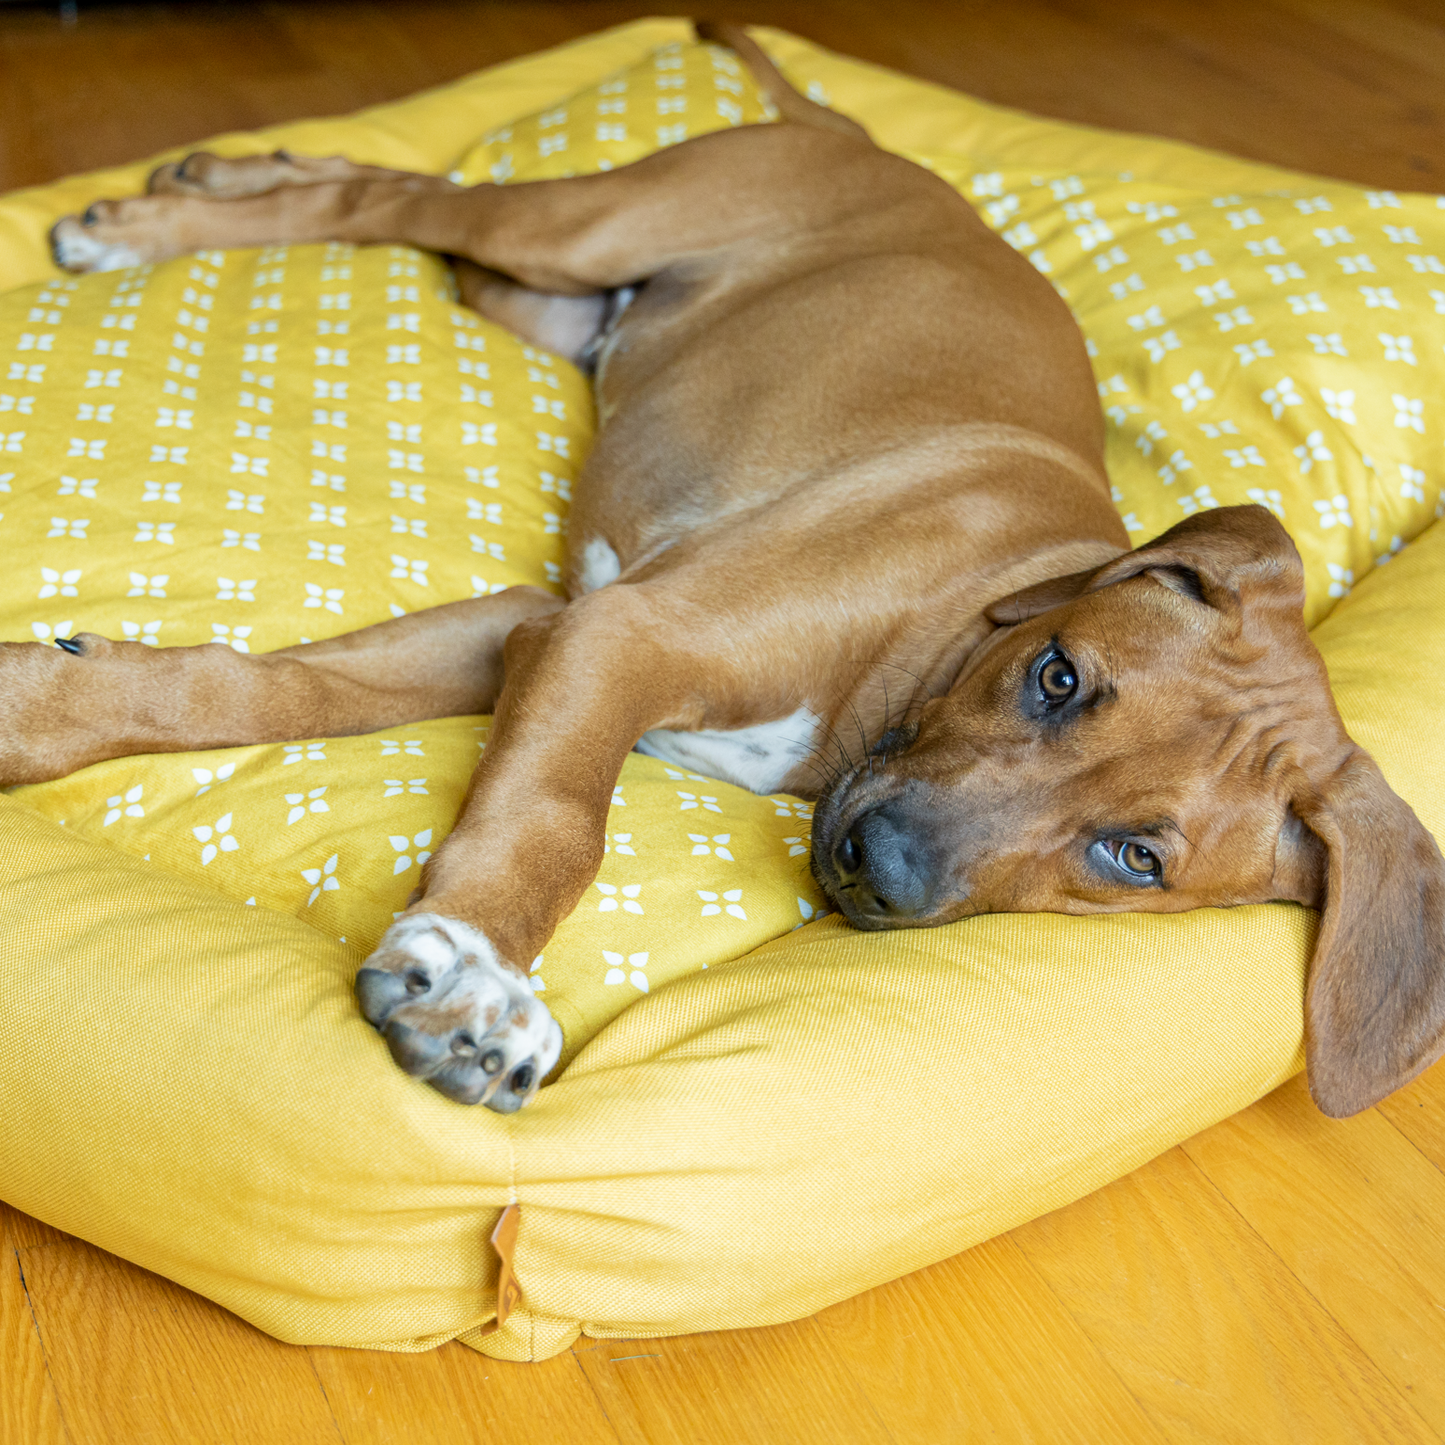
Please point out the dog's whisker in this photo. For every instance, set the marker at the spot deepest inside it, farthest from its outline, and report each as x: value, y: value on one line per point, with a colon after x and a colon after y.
x: 862, y: 733
x: 838, y: 743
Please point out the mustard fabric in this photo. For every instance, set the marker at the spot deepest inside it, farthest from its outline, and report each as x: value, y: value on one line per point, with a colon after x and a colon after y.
x: 801, y: 1112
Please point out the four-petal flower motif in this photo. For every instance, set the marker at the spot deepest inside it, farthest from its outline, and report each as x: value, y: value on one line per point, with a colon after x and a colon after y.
x: 303, y: 803
x: 125, y: 805
x: 727, y: 902
x: 208, y: 779
x: 403, y: 845
x: 698, y: 800
x: 619, y: 972
x: 217, y: 839
x: 1335, y: 511
x: 628, y: 900
x: 1192, y: 392
x: 323, y: 879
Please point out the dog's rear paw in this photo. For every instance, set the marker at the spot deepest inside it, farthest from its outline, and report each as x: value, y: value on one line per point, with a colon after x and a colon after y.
x: 226, y: 178
x: 185, y: 177
x: 454, y: 1014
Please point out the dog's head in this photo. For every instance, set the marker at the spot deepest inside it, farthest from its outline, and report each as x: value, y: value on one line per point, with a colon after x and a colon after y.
x: 1157, y: 735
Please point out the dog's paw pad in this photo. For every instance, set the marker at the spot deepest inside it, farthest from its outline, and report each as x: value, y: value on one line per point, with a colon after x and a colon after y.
x: 454, y: 1014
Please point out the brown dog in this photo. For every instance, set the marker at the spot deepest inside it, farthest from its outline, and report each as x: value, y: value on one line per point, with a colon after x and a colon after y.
x: 851, y: 452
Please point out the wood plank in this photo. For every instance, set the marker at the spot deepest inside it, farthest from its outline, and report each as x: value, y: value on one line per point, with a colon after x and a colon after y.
x: 1340, y: 89
x: 1345, y: 1206
x: 1406, y: 49
x: 1418, y: 1112
x: 1214, y: 1337
x: 29, y: 1407
x: 454, y: 1395
x: 137, y: 1360
x: 978, y: 1348
x: 1293, y: 88
x: 738, y: 1387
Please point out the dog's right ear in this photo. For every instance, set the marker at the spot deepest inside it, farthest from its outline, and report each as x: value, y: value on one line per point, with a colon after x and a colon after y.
x: 1229, y: 558
x: 1040, y: 598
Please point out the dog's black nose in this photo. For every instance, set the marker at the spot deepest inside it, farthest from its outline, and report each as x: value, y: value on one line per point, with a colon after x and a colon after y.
x: 879, y: 870
x: 848, y: 858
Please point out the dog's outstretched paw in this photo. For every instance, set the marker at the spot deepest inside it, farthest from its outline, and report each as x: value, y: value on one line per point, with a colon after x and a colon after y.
x: 454, y: 1014
x: 78, y: 245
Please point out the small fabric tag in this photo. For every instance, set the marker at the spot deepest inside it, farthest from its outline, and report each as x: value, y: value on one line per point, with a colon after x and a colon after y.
x: 504, y: 1241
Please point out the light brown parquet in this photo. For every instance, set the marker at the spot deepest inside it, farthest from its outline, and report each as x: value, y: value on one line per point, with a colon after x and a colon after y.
x: 1279, y: 1278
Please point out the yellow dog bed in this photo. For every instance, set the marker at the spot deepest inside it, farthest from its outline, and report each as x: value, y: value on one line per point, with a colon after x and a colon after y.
x: 256, y: 447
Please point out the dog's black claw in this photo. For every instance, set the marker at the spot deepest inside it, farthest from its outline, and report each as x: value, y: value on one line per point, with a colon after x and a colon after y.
x: 70, y: 645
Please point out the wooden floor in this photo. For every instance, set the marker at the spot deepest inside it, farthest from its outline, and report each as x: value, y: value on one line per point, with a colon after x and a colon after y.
x: 1280, y: 1278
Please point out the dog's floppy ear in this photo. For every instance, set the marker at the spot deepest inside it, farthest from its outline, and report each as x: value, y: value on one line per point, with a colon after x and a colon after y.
x: 1375, y: 1003
x: 1042, y: 597
x: 1224, y: 556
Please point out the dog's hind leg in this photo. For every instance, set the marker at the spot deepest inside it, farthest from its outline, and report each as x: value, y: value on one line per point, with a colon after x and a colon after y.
x: 566, y: 325
x: 65, y: 707
x: 753, y: 187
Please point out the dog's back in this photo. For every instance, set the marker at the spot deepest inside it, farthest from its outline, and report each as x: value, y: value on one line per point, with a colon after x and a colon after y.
x: 823, y: 302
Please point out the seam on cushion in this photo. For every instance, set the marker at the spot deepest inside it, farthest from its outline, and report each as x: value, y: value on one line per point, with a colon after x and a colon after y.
x: 511, y: 1163
x: 512, y: 1199
x: 1341, y: 607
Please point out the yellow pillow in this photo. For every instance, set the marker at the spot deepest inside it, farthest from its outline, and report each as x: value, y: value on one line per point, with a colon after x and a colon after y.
x: 903, y: 1095
x: 1281, y: 347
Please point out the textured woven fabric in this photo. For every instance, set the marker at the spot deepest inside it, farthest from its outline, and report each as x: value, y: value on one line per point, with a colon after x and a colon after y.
x: 186, y: 1079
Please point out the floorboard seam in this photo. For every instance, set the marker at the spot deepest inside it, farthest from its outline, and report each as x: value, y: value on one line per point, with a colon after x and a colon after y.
x: 1309, y: 1294
x: 40, y: 1339
x: 1100, y: 1357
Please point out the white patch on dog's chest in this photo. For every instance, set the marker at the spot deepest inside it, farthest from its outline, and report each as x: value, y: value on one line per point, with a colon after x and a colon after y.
x: 757, y: 758
x: 600, y: 566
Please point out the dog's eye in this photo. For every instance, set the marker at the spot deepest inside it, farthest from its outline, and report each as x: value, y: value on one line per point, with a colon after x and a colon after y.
x: 1135, y: 858
x: 1058, y: 681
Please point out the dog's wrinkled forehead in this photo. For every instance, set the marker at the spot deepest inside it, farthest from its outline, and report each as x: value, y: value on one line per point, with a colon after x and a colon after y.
x: 1138, y: 671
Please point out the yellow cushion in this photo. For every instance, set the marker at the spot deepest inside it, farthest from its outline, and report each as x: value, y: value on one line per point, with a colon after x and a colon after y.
x: 790, y: 1126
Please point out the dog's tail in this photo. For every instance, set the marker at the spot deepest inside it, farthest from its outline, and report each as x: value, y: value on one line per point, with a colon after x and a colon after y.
x: 791, y: 104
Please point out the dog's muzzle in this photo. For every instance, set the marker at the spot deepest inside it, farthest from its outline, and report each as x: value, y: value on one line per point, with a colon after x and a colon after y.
x: 881, y: 876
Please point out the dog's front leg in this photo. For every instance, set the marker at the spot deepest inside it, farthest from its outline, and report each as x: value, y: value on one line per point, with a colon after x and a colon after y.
x: 448, y: 984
